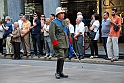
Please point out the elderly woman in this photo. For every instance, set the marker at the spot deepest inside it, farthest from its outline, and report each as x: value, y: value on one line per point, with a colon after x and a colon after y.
x: 15, y: 40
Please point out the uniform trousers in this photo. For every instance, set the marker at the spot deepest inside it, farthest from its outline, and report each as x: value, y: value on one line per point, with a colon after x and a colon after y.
x: 112, y: 47
x: 26, y: 44
x: 61, y: 53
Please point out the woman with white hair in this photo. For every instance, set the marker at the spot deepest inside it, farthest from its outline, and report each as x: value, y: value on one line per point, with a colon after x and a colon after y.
x: 79, y: 35
x: 15, y: 40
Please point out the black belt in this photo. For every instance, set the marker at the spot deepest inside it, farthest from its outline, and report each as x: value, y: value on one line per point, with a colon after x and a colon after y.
x: 46, y: 36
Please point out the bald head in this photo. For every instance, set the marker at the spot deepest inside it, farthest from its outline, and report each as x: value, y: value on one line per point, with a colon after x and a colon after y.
x: 47, y: 21
x: 67, y: 20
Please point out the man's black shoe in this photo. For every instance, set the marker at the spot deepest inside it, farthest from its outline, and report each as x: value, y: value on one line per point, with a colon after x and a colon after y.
x: 39, y: 55
x: 64, y: 76
x: 57, y: 76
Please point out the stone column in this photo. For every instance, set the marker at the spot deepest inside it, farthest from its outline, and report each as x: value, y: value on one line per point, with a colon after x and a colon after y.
x: 15, y: 7
x: 49, y: 6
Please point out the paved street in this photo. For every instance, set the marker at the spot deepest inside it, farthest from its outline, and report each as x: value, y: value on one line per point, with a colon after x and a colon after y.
x: 39, y: 71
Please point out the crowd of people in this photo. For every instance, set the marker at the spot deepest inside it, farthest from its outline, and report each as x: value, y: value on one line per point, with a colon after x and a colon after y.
x: 57, y: 36
x: 18, y: 36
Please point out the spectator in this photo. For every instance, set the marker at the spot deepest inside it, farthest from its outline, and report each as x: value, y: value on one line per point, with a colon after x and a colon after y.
x: 92, y: 20
x: 1, y: 38
x: 25, y: 34
x: 36, y: 36
x: 47, y: 40
x: 79, y: 35
x: 42, y: 20
x: 83, y: 20
x: 112, y: 41
x: 105, y: 31
x: 93, y: 43
x: 20, y: 26
x: 71, y: 30
x: 7, y: 31
x: 15, y: 40
x: 52, y: 17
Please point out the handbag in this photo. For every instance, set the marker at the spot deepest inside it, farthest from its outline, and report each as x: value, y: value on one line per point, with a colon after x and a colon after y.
x: 91, y: 34
x: 116, y: 27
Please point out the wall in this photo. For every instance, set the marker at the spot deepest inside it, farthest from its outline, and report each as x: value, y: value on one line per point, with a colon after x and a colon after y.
x: 50, y: 6
x: 15, y: 7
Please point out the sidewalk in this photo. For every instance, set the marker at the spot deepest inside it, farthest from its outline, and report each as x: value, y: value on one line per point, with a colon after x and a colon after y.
x: 99, y: 60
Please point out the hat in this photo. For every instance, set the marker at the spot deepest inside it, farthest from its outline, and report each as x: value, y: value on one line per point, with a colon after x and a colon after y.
x: 59, y: 10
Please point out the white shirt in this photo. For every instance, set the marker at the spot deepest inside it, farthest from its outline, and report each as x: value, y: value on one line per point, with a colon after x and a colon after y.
x: 71, y: 28
x: 1, y: 32
x: 47, y: 28
x: 80, y: 28
x: 20, y: 23
x: 97, y: 24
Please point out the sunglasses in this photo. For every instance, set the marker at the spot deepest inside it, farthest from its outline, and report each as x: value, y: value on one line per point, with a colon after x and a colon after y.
x: 35, y: 16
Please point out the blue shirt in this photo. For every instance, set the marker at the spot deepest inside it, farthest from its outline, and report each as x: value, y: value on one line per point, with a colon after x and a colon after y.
x: 7, y: 32
x: 37, y: 28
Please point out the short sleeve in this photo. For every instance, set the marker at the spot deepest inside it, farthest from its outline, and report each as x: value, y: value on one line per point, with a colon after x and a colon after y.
x: 38, y: 22
x: 96, y: 23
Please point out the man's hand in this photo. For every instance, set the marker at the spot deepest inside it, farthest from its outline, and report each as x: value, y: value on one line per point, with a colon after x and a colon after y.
x: 11, y: 35
x: 22, y: 35
x: 75, y: 37
x: 31, y: 27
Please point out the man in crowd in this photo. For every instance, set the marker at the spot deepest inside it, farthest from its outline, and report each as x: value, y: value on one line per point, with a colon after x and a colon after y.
x: 20, y: 26
x: 47, y: 40
x: 8, y: 30
x: 52, y: 17
x: 59, y: 41
x: 25, y: 34
x: 79, y: 33
x: 36, y: 35
x: 71, y: 29
x: 105, y: 31
x: 112, y: 41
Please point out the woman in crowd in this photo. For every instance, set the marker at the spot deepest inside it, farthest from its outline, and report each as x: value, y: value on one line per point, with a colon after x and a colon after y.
x: 15, y: 40
x: 93, y: 43
x: 1, y: 38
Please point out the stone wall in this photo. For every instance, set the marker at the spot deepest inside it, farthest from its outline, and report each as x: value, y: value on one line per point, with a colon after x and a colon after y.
x: 15, y: 7
x: 50, y: 6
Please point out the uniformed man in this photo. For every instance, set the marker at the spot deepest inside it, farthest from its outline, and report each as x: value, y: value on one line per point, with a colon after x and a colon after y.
x: 59, y: 41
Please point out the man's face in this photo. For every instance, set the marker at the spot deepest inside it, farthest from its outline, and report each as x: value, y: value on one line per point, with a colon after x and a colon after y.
x: 113, y: 13
x: 67, y: 21
x: 35, y: 17
x: 42, y: 17
x: 23, y: 19
x: 77, y: 21
x: 51, y: 17
x: 105, y: 16
x: 47, y: 21
x: 61, y: 15
x: 21, y: 15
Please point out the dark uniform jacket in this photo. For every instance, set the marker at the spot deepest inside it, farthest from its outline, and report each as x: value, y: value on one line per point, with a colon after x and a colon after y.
x: 57, y: 35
